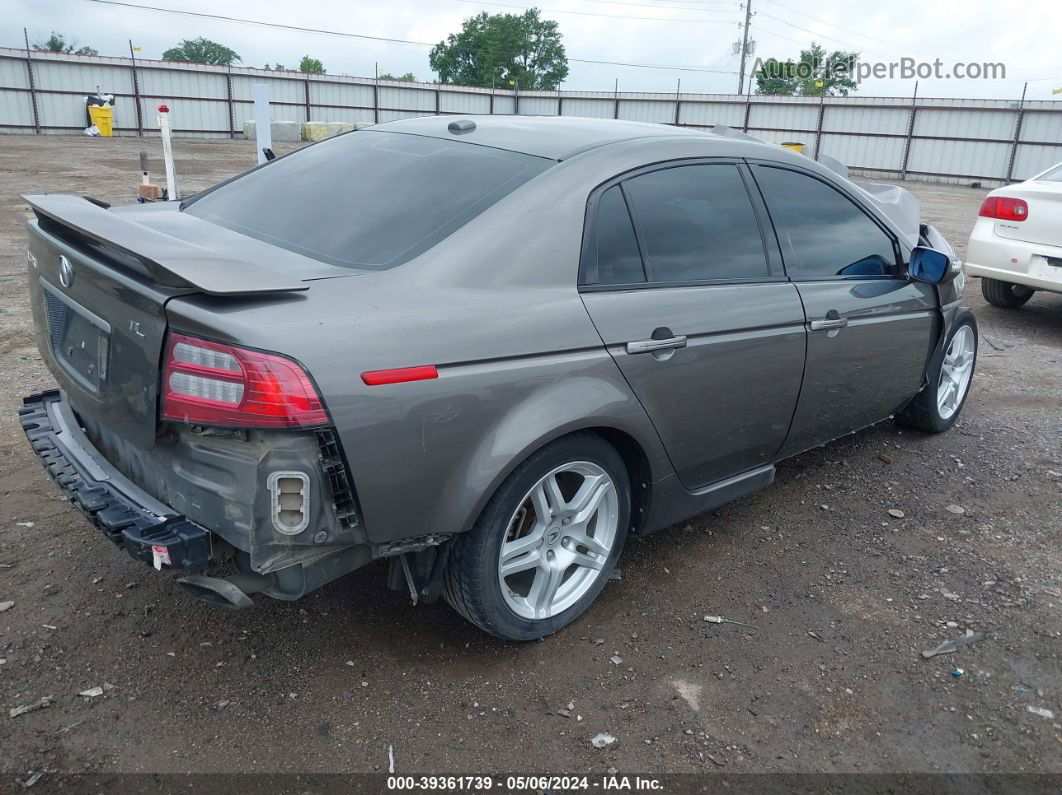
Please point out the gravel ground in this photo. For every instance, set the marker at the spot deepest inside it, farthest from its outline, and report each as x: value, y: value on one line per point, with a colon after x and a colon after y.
x: 843, y: 593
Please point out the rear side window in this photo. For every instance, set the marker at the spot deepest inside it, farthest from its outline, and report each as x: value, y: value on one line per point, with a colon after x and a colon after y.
x: 824, y: 235
x: 367, y: 200
x: 697, y: 224
x: 614, y: 256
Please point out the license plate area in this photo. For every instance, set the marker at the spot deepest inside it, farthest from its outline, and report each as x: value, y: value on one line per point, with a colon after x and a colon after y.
x: 80, y: 339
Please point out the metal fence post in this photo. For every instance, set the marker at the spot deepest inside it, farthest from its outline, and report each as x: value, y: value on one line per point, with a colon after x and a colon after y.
x: 560, y: 103
x: 306, y: 97
x: 818, y: 124
x: 516, y: 100
x: 436, y: 101
x: 615, y: 100
x: 376, y: 96
x: 32, y: 85
x: 1017, y: 135
x: 228, y: 102
x: 910, y: 133
x: 136, y: 91
x: 678, y: 101
x: 748, y: 112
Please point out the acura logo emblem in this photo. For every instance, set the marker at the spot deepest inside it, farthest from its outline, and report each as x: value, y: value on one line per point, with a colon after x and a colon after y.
x: 66, y: 272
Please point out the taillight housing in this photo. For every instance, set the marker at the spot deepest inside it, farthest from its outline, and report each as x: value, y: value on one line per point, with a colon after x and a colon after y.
x: 1004, y: 208
x: 210, y: 383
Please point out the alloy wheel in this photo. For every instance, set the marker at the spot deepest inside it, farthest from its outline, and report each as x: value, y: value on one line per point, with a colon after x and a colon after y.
x: 559, y: 540
x: 955, y: 372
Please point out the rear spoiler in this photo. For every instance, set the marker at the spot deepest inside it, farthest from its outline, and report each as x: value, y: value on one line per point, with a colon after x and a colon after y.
x: 162, y: 254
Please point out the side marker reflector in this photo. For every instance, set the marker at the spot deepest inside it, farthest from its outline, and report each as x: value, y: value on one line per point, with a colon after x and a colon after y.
x: 400, y: 375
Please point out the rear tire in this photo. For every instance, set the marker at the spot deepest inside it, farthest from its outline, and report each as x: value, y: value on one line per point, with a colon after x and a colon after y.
x: 1005, y: 294
x: 522, y: 577
x: 937, y: 407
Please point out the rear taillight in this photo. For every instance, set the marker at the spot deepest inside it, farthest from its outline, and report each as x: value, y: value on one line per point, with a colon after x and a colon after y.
x: 1004, y: 209
x: 208, y: 383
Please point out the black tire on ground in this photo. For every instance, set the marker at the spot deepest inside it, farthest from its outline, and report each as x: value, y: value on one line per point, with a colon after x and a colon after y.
x: 1005, y: 294
x: 922, y: 413
x: 471, y: 584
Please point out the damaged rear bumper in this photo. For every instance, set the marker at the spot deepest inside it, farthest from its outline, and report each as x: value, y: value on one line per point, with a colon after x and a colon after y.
x: 148, y: 530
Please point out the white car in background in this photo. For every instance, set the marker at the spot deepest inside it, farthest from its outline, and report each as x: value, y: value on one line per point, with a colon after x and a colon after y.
x: 1016, y: 244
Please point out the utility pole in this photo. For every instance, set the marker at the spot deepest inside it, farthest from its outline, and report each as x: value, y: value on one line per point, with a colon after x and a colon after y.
x: 744, y: 46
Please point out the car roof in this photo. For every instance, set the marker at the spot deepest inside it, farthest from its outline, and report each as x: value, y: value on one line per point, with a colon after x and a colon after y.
x: 555, y: 137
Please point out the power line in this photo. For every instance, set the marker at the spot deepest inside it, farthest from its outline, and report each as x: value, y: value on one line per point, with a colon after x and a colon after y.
x: 731, y: 5
x: 386, y: 39
x: 846, y: 30
x: 608, y: 16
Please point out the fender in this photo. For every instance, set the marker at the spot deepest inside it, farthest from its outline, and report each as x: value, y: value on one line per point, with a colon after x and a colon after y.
x: 556, y: 409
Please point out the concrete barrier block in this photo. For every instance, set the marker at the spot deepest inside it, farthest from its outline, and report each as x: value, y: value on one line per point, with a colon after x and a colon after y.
x: 319, y: 130
x: 282, y: 131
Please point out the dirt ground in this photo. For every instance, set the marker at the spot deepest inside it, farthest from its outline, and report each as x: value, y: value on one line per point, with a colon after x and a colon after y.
x: 842, y: 595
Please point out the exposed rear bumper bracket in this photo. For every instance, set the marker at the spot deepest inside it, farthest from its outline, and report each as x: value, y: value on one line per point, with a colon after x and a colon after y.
x: 161, y: 539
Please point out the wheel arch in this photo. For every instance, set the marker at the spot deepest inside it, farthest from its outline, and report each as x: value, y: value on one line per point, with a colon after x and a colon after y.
x: 639, y: 447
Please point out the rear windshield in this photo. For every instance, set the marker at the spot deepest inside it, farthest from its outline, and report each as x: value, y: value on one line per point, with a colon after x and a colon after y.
x: 367, y: 200
x: 1054, y: 175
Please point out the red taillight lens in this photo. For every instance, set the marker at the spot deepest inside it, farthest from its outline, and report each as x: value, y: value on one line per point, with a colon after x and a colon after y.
x: 209, y: 383
x: 1005, y: 209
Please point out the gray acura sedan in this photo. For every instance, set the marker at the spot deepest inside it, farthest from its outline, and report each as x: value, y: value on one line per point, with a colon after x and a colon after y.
x: 488, y: 350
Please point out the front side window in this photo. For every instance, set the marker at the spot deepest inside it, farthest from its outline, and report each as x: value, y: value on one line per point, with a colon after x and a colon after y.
x: 367, y: 200
x: 698, y: 224
x: 824, y: 235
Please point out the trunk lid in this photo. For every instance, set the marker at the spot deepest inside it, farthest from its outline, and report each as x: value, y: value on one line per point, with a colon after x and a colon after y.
x: 1044, y: 223
x: 99, y: 283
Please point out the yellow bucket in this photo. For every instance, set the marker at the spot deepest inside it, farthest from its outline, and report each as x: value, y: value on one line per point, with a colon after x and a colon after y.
x: 103, y: 117
x: 796, y: 147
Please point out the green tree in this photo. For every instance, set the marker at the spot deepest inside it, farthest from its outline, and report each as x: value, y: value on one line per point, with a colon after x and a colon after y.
x: 408, y: 77
x: 312, y: 66
x: 57, y: 43
x: 202, y: 50
x: 503, y: 49
x: 816, y: 73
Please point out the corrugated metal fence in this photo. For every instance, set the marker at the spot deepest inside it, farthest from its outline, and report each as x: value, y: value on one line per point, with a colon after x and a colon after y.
x: 932, y: 139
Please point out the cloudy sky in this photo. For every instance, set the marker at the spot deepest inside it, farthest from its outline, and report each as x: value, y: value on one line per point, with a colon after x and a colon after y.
x: 695, y: 34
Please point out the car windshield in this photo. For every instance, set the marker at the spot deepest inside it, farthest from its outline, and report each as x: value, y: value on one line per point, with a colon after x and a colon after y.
x: 1054, y: 175
x: 368, y: 200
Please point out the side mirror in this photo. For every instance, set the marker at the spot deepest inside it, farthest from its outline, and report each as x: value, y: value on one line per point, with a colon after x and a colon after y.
x: 931, y: 266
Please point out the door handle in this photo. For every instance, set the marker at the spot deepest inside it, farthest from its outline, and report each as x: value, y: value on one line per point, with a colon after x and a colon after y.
x: 651, y: 345
x: 832, y: 322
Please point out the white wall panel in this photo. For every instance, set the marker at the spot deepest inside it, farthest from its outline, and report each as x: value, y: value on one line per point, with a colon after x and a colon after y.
x: 864, y: 151
x: 588, y: 107
x: 732, y: 114
x: 1031, y: 160
x: 538, y: 106
x: 643, y: 110
x: 965, y: 124
x: 1044, y: 127
x: 13, y: 73
x: 455, y: 102
x: 786, y: 116
x: 868, y: 119
x: 959, y: 157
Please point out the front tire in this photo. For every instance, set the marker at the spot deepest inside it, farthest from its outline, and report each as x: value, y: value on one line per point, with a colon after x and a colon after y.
x: 545, y: 544
x: 1005, y: 294
x: 936, y: 408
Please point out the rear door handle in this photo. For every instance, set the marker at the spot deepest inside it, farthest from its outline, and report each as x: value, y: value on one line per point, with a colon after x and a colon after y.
x: 833, y: 322
x: 650, y: 345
